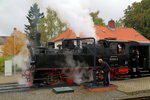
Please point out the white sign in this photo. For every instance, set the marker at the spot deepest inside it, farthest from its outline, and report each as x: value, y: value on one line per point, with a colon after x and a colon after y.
x: 8, y: 67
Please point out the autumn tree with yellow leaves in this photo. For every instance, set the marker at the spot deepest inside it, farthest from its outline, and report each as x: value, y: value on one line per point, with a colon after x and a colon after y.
x: 15, y: 43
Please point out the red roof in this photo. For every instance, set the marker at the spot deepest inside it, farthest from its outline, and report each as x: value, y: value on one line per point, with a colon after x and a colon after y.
x: 103, y: 32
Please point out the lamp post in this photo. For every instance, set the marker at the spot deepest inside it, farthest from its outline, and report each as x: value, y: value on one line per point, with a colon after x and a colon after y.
x: 14, y: 52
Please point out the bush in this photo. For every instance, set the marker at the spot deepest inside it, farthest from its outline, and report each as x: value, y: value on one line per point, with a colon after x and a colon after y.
x: 2, y: 61
x: 2, y: 69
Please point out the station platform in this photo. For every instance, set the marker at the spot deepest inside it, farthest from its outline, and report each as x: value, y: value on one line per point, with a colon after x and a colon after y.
x: 133, y: 85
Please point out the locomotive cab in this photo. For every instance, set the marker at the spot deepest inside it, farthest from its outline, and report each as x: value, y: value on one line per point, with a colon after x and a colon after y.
x: 113, y: 51
x: 116, y: 54
x: 143, y: 52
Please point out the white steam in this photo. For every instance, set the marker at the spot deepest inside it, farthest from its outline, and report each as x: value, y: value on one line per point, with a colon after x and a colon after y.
x: 75, y: 13
x: 76, y: 72
x: 21, y: 61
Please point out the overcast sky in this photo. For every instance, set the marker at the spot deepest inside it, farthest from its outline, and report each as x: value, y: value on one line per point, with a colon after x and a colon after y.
x: 13, y: 12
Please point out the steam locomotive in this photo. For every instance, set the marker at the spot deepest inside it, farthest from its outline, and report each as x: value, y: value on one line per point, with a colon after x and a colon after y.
x: 75, y: 60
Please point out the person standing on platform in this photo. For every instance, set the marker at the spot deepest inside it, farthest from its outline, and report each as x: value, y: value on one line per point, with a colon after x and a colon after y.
x: 104, y: 66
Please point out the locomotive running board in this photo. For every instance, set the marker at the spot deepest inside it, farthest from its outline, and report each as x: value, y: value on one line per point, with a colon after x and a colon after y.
x: 62, y: 90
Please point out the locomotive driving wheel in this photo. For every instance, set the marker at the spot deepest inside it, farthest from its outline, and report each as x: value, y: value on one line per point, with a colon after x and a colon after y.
x: 52, y: 79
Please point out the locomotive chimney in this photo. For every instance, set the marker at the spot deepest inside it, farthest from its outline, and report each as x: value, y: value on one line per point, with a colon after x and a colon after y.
x: 37, y: 38
x: 111, y: 25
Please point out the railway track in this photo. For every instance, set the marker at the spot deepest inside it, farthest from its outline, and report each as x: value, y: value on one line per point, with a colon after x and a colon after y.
x: 13, y: 87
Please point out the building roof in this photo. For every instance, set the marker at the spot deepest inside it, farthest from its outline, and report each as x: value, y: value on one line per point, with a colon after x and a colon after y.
x: 103, y: 32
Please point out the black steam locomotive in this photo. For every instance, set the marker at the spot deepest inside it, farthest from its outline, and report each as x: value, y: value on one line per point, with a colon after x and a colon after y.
x: 75, y: 60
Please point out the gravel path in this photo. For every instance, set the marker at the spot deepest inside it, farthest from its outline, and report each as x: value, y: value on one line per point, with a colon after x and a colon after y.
x: 47, y: 94
x: 9, y: 79
x: 78, y: 94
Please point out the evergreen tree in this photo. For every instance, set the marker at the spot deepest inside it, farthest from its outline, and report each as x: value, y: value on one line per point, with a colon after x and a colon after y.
x: 32, y: 30
x: 97, y: 21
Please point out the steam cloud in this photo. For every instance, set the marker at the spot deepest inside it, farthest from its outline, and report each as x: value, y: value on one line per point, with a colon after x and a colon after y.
x: 22, y: 62
x: 78, y: 75
x: 75, y: 13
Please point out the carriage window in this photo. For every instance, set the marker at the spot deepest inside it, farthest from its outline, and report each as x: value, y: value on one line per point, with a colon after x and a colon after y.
x: 100, y: 45
x: 69, y: 44
x: 113, y: 47
x: 121, y: 48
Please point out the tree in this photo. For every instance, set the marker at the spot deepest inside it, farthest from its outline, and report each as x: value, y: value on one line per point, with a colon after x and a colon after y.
x: 15, y: 43
x: 96, y: 19
x: 137, y: 16
x: 51, y: 26
x: 32, y: 30
x: 120, y: 23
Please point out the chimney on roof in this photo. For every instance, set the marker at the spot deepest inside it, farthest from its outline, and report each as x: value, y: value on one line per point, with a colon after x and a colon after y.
x: 15, y: 28
x: 111, y: 25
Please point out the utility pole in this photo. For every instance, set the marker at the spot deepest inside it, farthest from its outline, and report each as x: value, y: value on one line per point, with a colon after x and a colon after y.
x: 14, y: 49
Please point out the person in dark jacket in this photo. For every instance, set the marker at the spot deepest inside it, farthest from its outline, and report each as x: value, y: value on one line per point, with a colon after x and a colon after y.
x: 134, y: 60
x: 104, y: 66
